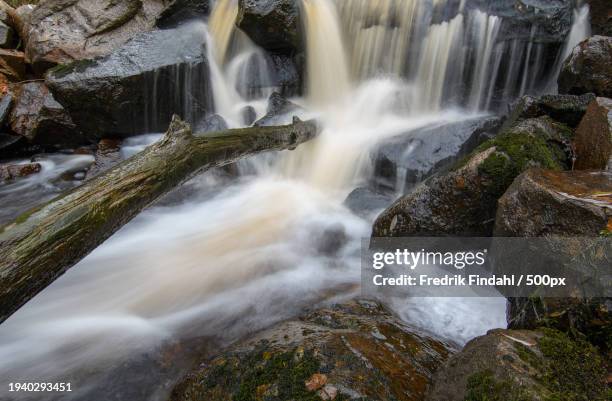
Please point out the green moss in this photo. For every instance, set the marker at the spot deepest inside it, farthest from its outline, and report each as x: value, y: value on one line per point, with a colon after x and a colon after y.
x: 529, y: 357
x: 482, y: 386
x: 62, y: 70
x: 574, y: 370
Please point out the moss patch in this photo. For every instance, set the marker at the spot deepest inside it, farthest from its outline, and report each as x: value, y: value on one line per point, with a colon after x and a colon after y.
x: 63, y: 70
x: 483, y: 386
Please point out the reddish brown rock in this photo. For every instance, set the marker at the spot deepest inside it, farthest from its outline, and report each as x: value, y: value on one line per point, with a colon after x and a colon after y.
x: 593, y: 141
x: 12, y: 65
x: 11, y: 171
x: 589, y: 68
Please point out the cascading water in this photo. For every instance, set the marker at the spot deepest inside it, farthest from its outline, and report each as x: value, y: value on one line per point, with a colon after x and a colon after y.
x: 234, y: 255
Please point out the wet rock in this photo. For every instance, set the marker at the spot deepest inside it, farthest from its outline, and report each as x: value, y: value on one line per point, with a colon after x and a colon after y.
x: 39, y: 118
x: 405, y: 160
x: 588, y: 68
x: 332, y: 240
x: 278, y: 111
x: 287, y: 73
x: 464, y: 201
x: 183, y: 10
x: 522, y: 365
x: 212, y: 123
x: 137, y: 88
x: 330, y: 353
x: 272, y: 24
x: 601, y: 17
x: 249, y: 115
x: 6, y: 104
x: 365, y: 201
x: 593, y: 141
x: 570, y: 203
x: 12, y: 65
x: 10, y: 172
x: 7, y: 36
x: 567, y: 109
x: 63, y: 31
x: 107, y: 155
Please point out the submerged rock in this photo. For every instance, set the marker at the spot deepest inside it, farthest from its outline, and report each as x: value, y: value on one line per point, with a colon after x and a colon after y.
x: 588, y: 68
x: 365, y: 201
x: 593, y: 141
x: 405, y: 160
x: 39, y: 118
x: 464, y: 201
x: 11, y: 171
x: 212, y: 123
x: 357, y: 350
x: 522, y: 365
x: 137, y: 88
x: 62, y: 31
x: 278, y: 112
x: 274, y: 25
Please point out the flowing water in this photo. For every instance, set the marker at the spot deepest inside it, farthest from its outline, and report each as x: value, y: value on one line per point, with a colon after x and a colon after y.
x: 224, y: 256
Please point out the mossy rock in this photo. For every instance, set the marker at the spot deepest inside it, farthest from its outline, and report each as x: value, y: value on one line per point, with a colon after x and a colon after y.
x: 356, y: 350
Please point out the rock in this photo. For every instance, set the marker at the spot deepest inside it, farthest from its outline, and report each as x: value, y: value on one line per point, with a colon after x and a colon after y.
x: 332, y: 240
x: 330, y: 352
x: 601, y: 17
x: 365, y: 201
x: 12, y: 65
x: 6, y: 36
x: 275, y: 25
x: 121, y: 94
x: 9, y: 172
x: 107, y: 155
x: 522, y: 365
x: 272, y: 72
x: 577, y: 206
x: 211, y: 123
x: 6, y: 104
x: 278, y: 111
x: 588, y: 68
x: 183, y: 10
x: 407, y: 159
x: 39, y: 118
x: 593, y: 141
x: 11, y: 145
x: 569, y: 203
x: 567, y: 109
x: 287, y: 73
x: 463, y: 202
x: 249, y: 115
x: 63, y: 31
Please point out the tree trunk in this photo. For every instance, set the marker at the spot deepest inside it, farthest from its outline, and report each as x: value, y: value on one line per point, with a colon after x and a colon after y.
x: 45, y: 242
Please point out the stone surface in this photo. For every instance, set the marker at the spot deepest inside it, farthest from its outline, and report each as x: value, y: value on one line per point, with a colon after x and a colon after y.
x: 12, y: 65
x: 138, y: 88
x: 107, y: 155
x: 6, y: 104
x: 601, y: 17
x: 567, y: 109
x: 593, y: 141
x: 521, y: 365
x: 278, y: 112
x: 366, y: 201
x: 183, y: 10
x: 12, y: 171
x: 570, y: 203
x: 588, y: 68
x: 407, y: 159
x: 212, y: 123
x: 272, y: 24
x: 62, y: 31
x: 464, y: 201
x: 7, y: 36
x: 39, y: 118
x: 352, y: 351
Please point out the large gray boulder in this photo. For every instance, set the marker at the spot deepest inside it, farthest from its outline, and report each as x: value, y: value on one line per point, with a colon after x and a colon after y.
x: 61, y: 31
x: 588, y: 68
x: 138, y: 87
x: 275, y: 25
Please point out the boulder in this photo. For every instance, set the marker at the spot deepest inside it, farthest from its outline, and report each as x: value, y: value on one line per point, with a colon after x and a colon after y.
x: 212, y: 123
x: 352, y: 351
x: 464, y: 201
x: 39, y: 118
x: 593, y: 141
x: 518, y: 365
x: 274, y: 25
x: 278, y: 112
x: 366, y: 201
x: 12, y: 65
x: 62, y: 31
x: 7, y: 35
x: 9, y: 172
x: 588, y: 68
x: 137, y: 88
x: 108, y: 154
x: 183, y: 10
x: 405, y: 160
x: 567, y: 109
x: 569, y: 203
x: 249, y: 115
x: 601, y: 17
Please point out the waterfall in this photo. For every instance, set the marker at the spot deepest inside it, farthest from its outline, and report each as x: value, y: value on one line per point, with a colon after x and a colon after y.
x: 328, y: 72
x: 222, y: 26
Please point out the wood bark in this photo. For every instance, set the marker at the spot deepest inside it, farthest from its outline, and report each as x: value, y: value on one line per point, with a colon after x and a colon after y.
x: 45, y: 242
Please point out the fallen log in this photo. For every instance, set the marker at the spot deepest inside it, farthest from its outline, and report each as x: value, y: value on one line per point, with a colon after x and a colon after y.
x: 45, y: 242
